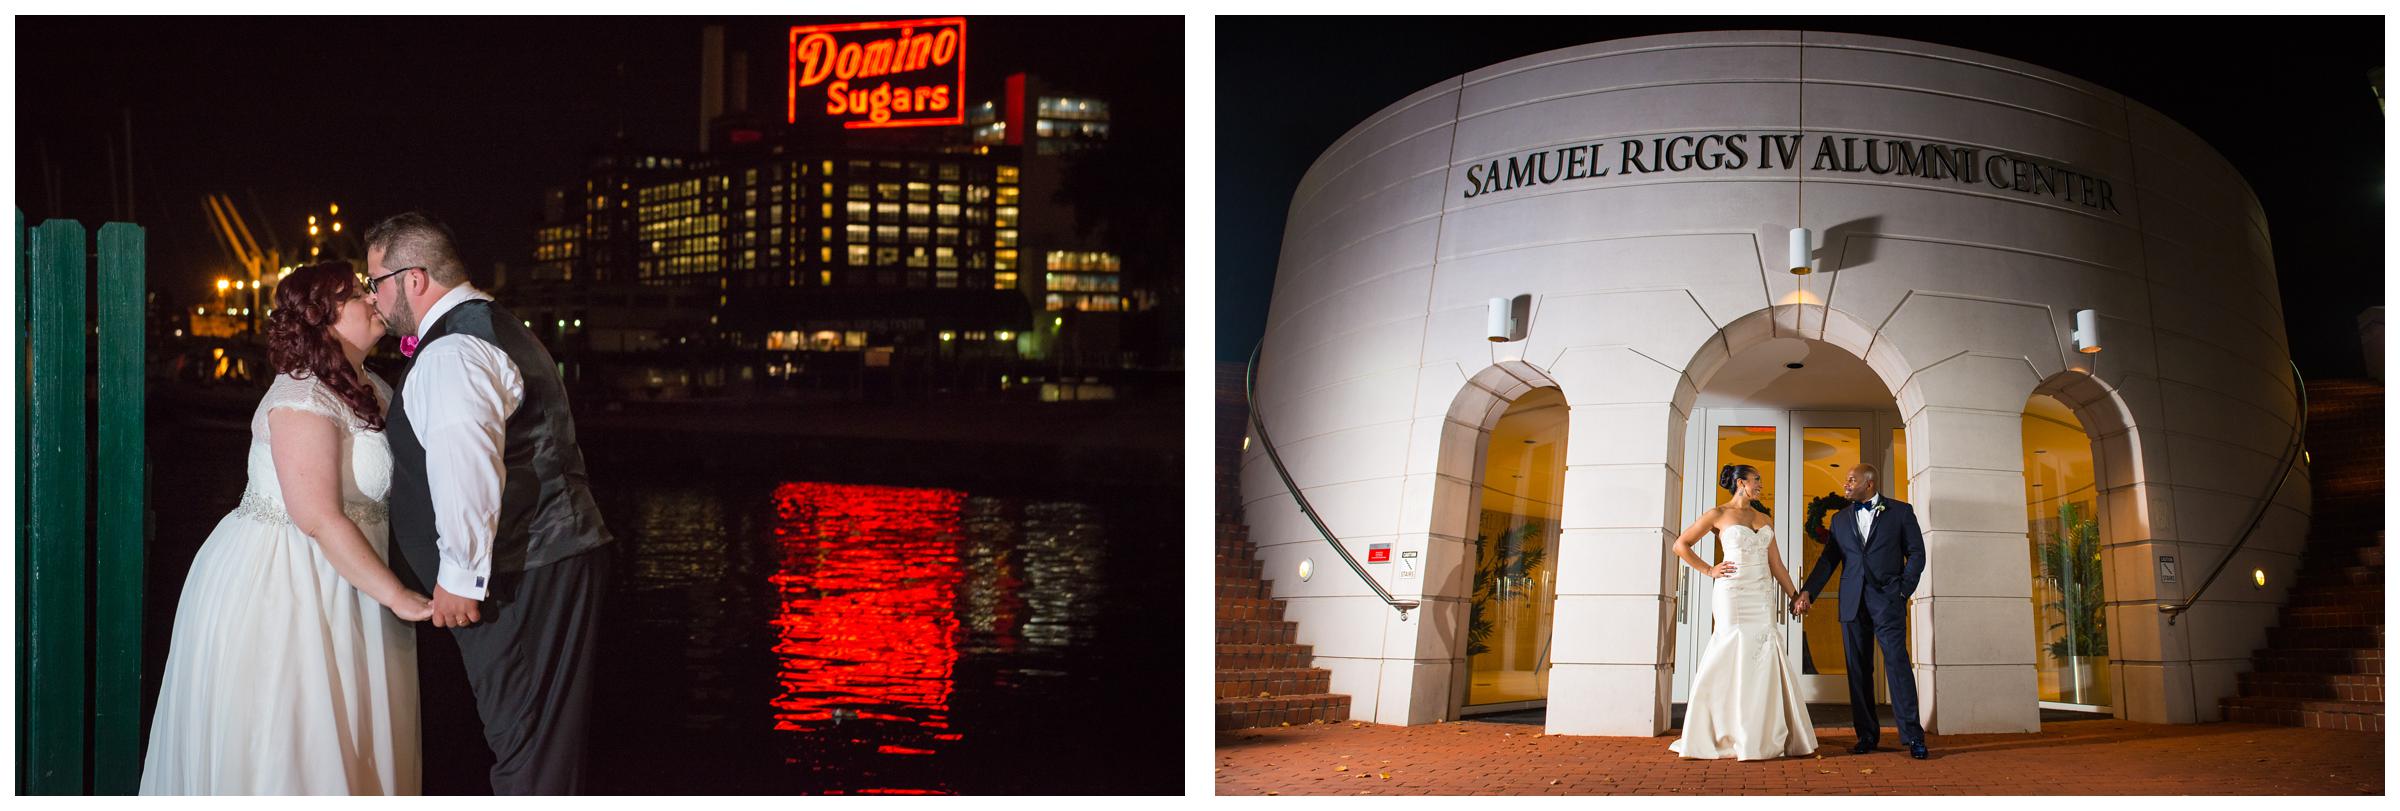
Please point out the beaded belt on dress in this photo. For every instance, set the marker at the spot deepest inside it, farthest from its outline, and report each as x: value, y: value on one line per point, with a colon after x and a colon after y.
x: 263, y: 507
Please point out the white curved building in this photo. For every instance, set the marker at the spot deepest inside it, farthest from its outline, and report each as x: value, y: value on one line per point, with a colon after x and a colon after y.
x: 1632, y: 201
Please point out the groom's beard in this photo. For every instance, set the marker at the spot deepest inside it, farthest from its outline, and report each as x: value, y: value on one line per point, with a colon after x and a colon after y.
x: 401, y: 322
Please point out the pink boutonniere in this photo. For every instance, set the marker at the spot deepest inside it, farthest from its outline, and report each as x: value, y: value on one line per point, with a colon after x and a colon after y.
x: 408, y: 346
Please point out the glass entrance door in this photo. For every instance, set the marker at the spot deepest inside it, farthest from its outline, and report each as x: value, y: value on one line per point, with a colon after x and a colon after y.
x: 1830, y: 444
x: 1511, y: 610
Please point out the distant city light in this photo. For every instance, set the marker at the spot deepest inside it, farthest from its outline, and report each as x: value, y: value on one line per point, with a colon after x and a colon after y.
x: 947, y: 335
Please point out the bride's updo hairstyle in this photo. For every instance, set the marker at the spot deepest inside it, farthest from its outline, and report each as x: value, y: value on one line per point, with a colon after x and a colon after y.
x: 300, y: 339
x: 1733, y: 473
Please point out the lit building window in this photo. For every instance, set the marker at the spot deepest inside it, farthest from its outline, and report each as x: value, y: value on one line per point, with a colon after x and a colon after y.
x: 1006, y: 259
x: 1008, y: 195
x: 857, y: 232
x: 859, y: 254
x: 1008, y: 174
x: 860, y: 212
x: 1007, y: 238
x: 1005, y: 216
x: 918, y: 234
x: 946, y: 258
x: 946, y: 214
x: 1004, y: 281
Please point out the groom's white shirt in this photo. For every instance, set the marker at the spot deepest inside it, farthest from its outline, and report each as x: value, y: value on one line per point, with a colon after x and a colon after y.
x: 1866, y: 515
x: 458, y: 396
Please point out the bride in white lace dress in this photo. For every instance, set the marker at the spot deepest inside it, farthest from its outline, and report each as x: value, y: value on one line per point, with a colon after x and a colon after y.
x: 292, y: 668
x: 1745, y: 702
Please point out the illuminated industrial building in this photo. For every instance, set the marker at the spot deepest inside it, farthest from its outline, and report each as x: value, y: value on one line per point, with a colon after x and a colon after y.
x: 839, y: 242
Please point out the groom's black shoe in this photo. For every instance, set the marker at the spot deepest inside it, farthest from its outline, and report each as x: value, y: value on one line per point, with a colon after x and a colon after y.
x: 1863, y: 747
x: 1917, y: 750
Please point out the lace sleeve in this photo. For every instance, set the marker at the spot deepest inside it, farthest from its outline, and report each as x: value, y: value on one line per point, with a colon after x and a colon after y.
x: 308, y: 396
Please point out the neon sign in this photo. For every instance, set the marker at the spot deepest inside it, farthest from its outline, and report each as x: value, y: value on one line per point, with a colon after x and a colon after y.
x: 905, y: 73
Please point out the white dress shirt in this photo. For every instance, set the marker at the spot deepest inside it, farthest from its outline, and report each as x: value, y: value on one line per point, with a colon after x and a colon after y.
x: 459, y: 395
x: 1866, y: 517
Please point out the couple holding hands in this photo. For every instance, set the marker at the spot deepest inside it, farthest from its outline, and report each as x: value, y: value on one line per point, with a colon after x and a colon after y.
x: 1746, y: 700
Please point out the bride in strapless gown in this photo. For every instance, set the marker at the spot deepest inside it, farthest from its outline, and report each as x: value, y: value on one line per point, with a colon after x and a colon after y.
x: 1745, y: 698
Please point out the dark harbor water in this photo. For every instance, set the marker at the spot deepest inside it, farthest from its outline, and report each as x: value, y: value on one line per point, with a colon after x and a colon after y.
x: 779, y: 628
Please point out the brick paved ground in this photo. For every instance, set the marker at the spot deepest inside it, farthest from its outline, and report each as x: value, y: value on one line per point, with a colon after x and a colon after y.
x: 2066, y: 757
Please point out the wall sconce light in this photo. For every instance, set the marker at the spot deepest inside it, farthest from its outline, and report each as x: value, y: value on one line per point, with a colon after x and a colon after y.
x: 1499, y: 321
x: 2259, y: 576
x: 1800, y: 266
x: 2087, y: 332
x: 1307, y: 568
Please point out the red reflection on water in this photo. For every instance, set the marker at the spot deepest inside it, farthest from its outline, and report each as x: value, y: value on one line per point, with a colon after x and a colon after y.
x: 867, y: 593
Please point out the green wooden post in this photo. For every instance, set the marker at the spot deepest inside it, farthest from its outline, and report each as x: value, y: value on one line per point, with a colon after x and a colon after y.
x: 55, y: 512
x: 24, y: 489
x: 117, y: 656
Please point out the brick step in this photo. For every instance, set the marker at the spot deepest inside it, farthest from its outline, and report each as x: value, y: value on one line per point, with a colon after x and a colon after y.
x: 2331, y: 616
x: 2330, y: 554
x: 1245, y: 587
x: 2347, y: 575
x: 1255, y: 632
x: 2333, y: 686
x: 1239, y: 608
x: 1246, y: 713
x: 2338, y: 562
x: 1230, y: 567
x: 2368, y: 636
x: 2319, y: 660
x: 2356, y: 716
x: 2344, y: 595
x: 1285, y: 681
x: 1257, y: 657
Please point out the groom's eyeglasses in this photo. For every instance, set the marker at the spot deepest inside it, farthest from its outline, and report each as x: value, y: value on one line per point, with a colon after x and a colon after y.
x: 373, y: 281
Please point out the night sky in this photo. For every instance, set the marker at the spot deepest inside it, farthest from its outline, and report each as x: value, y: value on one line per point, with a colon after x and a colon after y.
x: 2288, y: 101
x: 469, y: 119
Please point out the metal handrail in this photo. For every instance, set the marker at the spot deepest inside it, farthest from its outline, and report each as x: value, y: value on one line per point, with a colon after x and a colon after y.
x: 1258, y: 423
x: 2291, y: 456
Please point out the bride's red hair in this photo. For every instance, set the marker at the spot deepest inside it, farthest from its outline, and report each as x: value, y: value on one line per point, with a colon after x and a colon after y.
x: 300, y: 339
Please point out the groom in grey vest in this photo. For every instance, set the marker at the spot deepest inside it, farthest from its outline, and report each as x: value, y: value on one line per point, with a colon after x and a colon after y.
x: 489, y: 505
x: 1881, y: 552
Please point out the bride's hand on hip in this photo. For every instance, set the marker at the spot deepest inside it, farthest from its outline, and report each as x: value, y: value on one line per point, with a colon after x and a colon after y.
x: 1721, y: 570
x: 412, y: 607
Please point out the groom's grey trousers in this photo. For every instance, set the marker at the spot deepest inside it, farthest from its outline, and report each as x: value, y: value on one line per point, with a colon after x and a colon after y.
x: 530, y: 662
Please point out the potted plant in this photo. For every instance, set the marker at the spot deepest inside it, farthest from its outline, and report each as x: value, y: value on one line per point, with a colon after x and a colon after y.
x: 2071, y: 570
x: 1501, y: 564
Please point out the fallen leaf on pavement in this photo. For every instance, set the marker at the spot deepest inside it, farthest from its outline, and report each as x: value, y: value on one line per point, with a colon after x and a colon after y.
x: 1866, y: 771
x: 1553, y: 782
x: 1383, y: 776
x: 1341, y: 768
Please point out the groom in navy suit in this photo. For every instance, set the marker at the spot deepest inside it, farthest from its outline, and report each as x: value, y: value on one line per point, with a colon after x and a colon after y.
x: 1879, y: 539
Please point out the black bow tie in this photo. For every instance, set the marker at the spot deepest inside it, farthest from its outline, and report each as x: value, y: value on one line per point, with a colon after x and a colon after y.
x: 1862, y: 504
